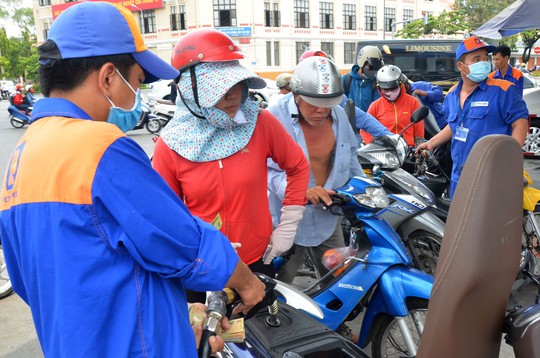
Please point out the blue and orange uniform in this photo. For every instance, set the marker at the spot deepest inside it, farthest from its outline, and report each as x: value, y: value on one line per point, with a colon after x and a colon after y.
x: 76, y: 191
x: 512, y: 75
x: 491, y: 109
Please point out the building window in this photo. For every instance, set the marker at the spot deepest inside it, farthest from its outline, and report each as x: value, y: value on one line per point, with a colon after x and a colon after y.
x: 408, y: 14
x: 349, y: 16
x: 328, y: 48
x: 326, y: 15
x: 149, y: 21
x: 272, y: 16
x: 389, y: 18
x: 301, y: 47
x: 178, y: 18
x: 44, y: 2
x: 276, y: 53
x: 224, y: 13
x: 268, y: 53
x: 301, y: 13
x: 349, y: 53
x: 371, y: 18
x: 46, y: 26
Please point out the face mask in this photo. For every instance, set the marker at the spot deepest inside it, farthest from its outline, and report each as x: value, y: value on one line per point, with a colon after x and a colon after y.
x: 125, y: 119
x: 479, y: 71
x: 391, y: 94
x: 369, y: 74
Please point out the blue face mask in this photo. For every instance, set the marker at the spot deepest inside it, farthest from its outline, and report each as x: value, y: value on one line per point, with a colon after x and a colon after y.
x: 126, y: 119
x: 479, y: 71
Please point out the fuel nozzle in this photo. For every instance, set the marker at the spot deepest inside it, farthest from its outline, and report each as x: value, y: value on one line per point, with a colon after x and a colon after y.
x: 217, y: 308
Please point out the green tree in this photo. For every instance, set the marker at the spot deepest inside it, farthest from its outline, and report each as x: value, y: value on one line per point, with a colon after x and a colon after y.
x: 479, y: 11
x: 447, y: 23
x: 465, y: 16
x: 18, y: 55
x: 529, y: 38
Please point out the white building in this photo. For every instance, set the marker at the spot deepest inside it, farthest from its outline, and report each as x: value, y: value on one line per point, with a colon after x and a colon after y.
x: 272, y: 33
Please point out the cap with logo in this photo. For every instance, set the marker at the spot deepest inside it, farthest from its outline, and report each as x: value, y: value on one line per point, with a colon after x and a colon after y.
x: 90, y: 29
x: 471, y: 44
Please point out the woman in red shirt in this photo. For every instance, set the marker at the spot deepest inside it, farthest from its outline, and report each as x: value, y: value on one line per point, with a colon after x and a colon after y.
x: 214, y: 152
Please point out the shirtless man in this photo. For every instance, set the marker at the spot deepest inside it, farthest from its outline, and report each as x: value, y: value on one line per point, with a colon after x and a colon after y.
x: 314, y: 119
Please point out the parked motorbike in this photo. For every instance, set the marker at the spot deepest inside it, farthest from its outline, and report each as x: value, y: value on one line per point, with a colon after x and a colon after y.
x: 149, y: 120
x: 412, y: 212
x: 164, y: 111
x: 4, y: 94
x: 275, y: 329
x: 5, y: 282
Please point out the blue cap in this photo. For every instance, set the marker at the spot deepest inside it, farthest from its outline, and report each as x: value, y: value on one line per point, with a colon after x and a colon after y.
x: 471, y: 44
x: 90, y: 29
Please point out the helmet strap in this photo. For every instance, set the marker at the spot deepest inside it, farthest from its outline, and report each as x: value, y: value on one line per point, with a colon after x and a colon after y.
x: 195, y: 94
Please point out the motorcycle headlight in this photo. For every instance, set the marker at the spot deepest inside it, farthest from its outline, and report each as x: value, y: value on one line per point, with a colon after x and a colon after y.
x: 407, y: 179
x: 388, y: 160
x: 374, y: 197
x: 401, y: 149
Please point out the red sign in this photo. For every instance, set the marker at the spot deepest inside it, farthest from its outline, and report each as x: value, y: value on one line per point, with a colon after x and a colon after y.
x: 132, y: 5
x: 537, y: 50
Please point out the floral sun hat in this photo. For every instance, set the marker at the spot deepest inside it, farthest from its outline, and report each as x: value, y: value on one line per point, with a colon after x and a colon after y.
x: 216, y: 136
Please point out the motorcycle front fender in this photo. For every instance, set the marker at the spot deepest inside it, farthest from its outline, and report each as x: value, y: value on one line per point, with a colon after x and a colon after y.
x: 390, y: 297
x: 426, y: 221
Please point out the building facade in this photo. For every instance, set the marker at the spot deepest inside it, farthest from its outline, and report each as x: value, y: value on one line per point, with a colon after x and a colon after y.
x: 271, y: 33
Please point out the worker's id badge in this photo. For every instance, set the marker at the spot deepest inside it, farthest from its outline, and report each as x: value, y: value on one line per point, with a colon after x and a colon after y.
x: 461, y: 133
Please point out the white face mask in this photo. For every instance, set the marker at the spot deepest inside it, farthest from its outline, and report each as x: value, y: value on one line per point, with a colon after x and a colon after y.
x: 391, y: 94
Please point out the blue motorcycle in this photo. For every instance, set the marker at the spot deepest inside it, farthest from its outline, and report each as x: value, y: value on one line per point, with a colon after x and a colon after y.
x: 378, y: 279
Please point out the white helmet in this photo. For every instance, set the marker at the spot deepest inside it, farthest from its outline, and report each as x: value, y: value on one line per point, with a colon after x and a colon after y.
x: 389, y: 77
x: 372, y: 55
x: 283, y: 79
x: 316, y: 79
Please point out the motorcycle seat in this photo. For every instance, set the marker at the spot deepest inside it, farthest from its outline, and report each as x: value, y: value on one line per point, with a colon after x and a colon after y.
x: 479, y: 256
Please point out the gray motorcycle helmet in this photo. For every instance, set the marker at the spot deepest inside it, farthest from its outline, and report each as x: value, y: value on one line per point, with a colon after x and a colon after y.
x: 389, y: 77
x: 316, y: 79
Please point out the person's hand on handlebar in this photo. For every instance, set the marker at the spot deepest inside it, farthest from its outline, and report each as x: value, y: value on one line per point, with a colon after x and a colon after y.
x: 197, y: 315
x: 423, y: 146
x: 318, y: 194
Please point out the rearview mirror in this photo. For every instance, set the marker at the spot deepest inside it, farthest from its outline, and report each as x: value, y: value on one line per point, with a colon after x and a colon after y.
x: 419, y: 115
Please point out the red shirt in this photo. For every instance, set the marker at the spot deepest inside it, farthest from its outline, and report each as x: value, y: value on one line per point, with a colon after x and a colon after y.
x: 232, y: 192
x: 18, y: 99
x: 395, y: 116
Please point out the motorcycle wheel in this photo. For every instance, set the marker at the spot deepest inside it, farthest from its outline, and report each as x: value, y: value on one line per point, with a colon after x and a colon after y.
x: 387, y: 338
x: 5, y: 282
x: 424, y: 248
x: 16, y: 123
x: 153, y: 126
